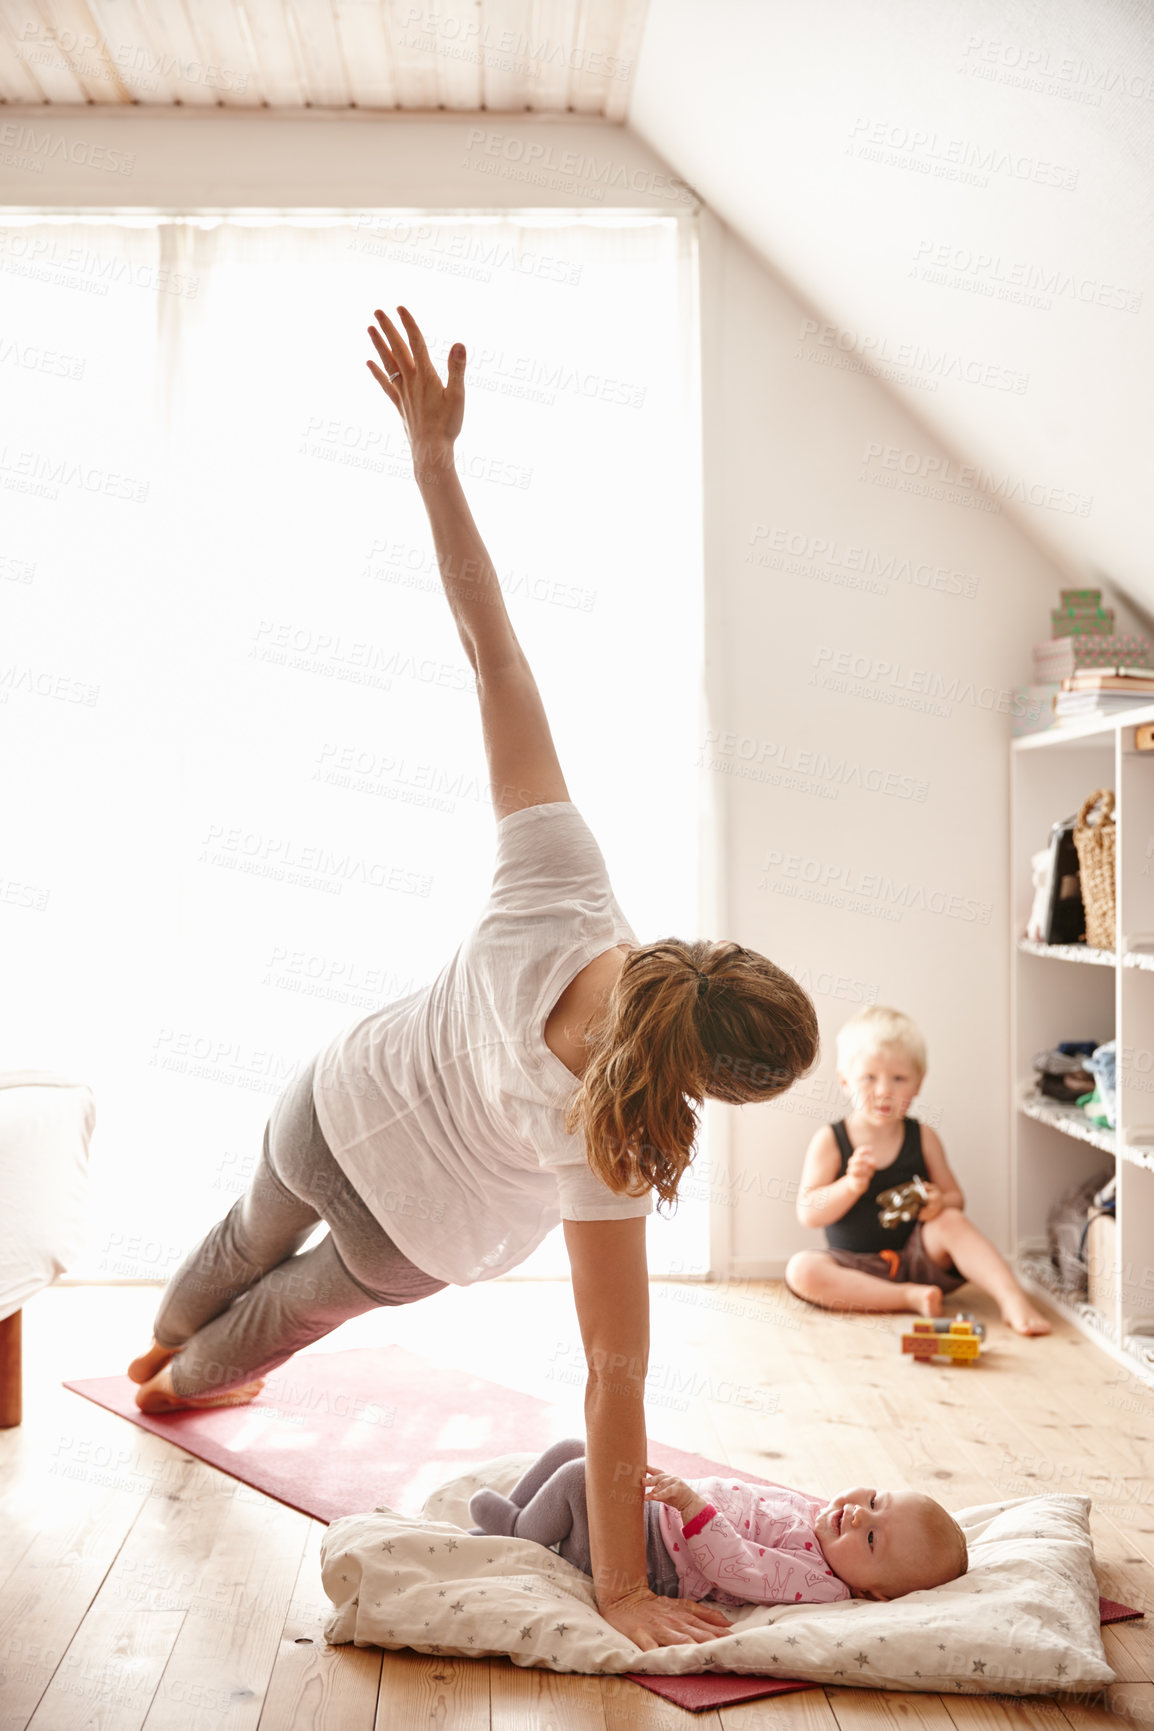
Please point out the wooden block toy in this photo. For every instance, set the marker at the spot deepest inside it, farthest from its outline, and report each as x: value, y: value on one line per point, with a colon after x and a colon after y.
x: 949, y: 1324
x: 957, y: 1340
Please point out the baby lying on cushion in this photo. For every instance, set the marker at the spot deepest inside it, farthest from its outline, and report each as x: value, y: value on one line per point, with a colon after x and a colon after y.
x: 742, y: 1544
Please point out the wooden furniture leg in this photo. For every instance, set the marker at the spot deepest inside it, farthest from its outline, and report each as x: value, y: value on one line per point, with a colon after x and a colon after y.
x: 11, y: 1403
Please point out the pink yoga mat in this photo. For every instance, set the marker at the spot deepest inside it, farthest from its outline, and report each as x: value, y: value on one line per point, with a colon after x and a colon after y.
x: 715, y: 1689
x: 335, y: 1433
x: 1110, y: 1611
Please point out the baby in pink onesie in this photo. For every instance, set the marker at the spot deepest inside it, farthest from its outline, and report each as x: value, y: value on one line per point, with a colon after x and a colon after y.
x: 743, y: 1544
x: 739, y: 1543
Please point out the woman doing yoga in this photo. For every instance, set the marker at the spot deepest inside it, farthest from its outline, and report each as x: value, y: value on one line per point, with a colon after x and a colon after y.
x: 553, y: 1070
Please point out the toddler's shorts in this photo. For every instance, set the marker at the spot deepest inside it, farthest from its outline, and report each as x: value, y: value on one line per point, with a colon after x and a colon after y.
x: 913, y: 1263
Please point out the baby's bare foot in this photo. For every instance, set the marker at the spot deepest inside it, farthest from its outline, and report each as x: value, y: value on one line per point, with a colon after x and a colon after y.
x: 1020, y: 1315
x: 926, y: 1300
x: 144, y: 1368
x: 158, y: 1395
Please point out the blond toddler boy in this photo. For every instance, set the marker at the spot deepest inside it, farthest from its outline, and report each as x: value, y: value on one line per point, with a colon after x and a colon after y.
x: 882, y: 1064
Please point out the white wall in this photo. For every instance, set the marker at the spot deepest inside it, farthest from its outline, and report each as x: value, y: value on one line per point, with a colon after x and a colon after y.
x: 801, y: 780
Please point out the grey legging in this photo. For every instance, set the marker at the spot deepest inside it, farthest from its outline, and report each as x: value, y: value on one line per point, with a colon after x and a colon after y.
x: 247, y: 1297
x: 547, y: 1505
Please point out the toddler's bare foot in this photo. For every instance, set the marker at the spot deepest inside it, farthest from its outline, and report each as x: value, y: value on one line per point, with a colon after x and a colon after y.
x: 158, y: 1395
x: 1020, y: 1315
x: 926, y: 1300
x: 144, y: 1368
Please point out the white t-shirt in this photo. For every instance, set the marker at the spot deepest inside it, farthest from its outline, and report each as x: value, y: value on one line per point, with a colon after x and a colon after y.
x: 445, y: 1108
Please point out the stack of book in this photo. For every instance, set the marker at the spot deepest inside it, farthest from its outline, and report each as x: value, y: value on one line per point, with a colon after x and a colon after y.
x: 1084, y: 641
x: 1104, y: 691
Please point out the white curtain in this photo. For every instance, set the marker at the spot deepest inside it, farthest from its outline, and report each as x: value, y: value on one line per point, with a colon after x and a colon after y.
x: 244, y: 784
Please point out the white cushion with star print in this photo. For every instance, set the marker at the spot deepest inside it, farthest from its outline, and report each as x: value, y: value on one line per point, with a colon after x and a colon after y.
x: 1024, y: 1619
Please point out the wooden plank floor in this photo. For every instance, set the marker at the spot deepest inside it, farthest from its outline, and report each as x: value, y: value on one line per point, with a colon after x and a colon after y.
x: 141, y: 1590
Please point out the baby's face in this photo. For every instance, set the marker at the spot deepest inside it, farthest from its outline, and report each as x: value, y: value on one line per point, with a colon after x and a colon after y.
x: 886, y: 1543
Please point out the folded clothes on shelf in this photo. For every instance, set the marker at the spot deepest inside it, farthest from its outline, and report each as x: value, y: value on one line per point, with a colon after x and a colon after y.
x: 1103, y: 1107
x: 1063, y: 1072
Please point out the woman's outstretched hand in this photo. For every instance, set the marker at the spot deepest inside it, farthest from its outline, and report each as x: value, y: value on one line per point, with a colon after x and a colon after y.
x: 432, y: 412
x: 651, y: 1621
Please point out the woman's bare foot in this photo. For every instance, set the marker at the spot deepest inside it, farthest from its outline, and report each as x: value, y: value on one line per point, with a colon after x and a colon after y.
x: 926, y: 1300
x: 1019, y: 1314
x: 158, y: 1395
x: 144, y: 1368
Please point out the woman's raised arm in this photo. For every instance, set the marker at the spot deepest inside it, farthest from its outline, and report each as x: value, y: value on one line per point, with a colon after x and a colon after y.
x: 523, y: 765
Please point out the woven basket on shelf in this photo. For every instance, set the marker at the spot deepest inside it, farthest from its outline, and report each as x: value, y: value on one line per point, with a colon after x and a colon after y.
x: 1095, y: 844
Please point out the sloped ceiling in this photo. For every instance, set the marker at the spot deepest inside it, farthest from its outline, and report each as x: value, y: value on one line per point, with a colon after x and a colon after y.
x: 964, y: 190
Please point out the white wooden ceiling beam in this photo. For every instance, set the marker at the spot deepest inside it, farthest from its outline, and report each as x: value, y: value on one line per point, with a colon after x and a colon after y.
x: 147, y: 71
x: 275, y: 51
x: 82, y: 37
x: 608, y: 42
x: 416, y: 72
x: 314, y: 24
x: 368, y: 57
x: 457, y: 52
x: 173, y: 58
x: 222, y: 29
x: 629, y: 39
x: 552, y: 31
x: 18, y: 81
x: 504, y: 60
x: 44, y: 58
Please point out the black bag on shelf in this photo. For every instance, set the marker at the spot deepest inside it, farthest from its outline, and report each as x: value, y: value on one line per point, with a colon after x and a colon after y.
x: 1066, y: 1232
x: 1065, y: 914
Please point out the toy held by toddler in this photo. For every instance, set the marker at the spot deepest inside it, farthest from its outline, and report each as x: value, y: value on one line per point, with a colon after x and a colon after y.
x: 739, y: 1544
x: 880, y: 1256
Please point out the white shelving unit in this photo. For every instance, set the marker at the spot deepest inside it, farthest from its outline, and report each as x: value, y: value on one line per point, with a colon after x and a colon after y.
x: 1069, y: 992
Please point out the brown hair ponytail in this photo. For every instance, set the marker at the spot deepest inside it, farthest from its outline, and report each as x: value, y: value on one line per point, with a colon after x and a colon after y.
x: 685, y: 1022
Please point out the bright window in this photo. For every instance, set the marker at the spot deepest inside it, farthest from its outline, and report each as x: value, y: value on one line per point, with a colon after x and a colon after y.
x: 244, y: 785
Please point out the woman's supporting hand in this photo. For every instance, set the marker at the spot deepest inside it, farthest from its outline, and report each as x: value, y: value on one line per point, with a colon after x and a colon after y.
x: 651, y: 1621
x: 432, y: 412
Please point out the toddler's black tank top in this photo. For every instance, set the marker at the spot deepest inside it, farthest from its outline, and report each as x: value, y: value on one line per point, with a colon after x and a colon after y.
x: 860, y: 1229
